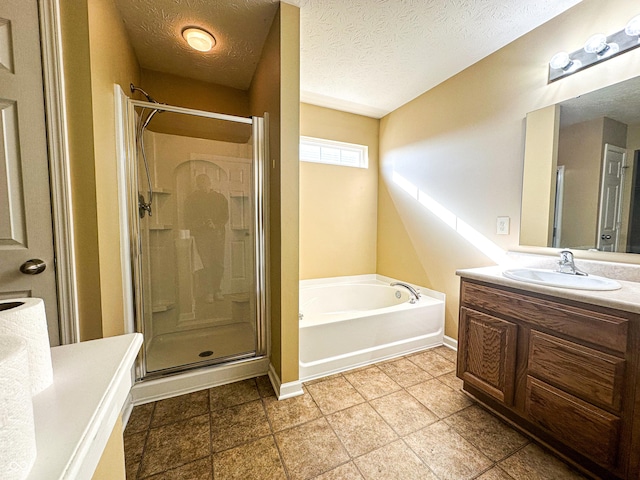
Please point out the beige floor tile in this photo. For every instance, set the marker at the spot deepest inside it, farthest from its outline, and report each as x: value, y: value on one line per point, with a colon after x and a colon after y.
x: 496, y: 473
x: 361, y: 429
x: 176, y: 444
x: 403, y: 412
x: 404, y: 372
x: 451, y: 380
x: 265, y: 389
x: 534, y: 463
x: 140, y: 418
x: 372, y: 382
x: 494, y: 438
x: 180, y: 408
x: 334, y: 394
x: 448, y: 353
x: 252, y: 461
x: 433, y: 363
x: 348, y: 471
x: 395, y: 460
x: 446, y: 453
x: 133, y: 447
x: 310, y: 449
x: 439, y: 398
x: 291, y: 411
x: 236, y: 425
x: 233, y: 394
x: 323, y: 379
x: 198, y: 470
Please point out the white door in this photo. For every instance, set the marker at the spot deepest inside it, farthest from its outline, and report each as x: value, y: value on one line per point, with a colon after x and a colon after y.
x: 610, y: 198
x: 25, y: 207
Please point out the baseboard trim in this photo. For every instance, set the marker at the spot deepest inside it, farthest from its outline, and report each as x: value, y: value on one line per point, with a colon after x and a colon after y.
x: 171, y: 386
x: 284, y: 390
x: 450, y: 342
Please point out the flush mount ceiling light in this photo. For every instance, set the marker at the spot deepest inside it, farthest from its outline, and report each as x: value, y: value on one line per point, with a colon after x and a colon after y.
x: 198, y: 39
x: 597, y: 48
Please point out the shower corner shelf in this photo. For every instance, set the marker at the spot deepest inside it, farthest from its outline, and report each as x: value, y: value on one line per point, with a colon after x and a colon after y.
x: 161, y: 191
x: 163, y: 307
x: 160, y: 227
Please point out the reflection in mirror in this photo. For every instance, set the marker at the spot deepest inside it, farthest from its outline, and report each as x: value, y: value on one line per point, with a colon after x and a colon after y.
x: 581, y: 186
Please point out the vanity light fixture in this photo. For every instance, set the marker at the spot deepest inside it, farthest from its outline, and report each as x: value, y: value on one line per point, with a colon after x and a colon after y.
x: 199, y: 39
x: 598, y: 44
x: 597, y: 48
x: 633, y: 27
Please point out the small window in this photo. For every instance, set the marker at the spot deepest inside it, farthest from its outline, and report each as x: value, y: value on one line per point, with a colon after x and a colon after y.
x: 320, y: 150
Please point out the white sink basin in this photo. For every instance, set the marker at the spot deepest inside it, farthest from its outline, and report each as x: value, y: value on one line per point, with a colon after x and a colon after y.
x: 563, y: 280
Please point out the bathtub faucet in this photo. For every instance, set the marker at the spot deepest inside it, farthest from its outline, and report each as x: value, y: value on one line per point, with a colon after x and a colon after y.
x: 415, y: 294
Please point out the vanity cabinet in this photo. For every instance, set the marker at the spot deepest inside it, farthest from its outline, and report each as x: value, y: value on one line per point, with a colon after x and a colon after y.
x: 565, y: 372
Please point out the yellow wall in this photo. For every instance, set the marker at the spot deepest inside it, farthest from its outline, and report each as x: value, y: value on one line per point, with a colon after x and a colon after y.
x: 111, y: 465
x: 112, y: 61
x: 338, y: 205
x: 462, y: 144
x: 276, y: 89
x: 540, y: 163
x: 77, y: 72
x: 189, y: 93
x: 580, y: 151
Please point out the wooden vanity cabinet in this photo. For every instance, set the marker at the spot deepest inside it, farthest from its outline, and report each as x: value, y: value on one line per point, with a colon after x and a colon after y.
x: 563, y: 371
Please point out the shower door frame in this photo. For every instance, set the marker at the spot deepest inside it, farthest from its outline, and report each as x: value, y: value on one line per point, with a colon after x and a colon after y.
x: 134, y: 268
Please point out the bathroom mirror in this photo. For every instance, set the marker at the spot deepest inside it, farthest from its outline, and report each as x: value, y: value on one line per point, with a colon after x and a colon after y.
x: 581, y: 186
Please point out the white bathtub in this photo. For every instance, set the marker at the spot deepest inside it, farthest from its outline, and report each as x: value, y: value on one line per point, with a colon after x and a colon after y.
x: 347, y: 322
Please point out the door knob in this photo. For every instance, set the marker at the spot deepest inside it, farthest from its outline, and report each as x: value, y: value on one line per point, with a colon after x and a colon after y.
x: 33, y: 267
x: 605, y: 237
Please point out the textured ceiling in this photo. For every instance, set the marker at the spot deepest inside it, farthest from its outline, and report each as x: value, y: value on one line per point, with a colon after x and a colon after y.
x: 362, y: 56
x: 619, y: 102
x: 376, y: 55
x: 239, y: 26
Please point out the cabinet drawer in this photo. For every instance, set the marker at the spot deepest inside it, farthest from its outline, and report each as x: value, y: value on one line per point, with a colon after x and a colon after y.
x: 587, y: 373
x: 487, y: 354
x: 593, y: 327
x: 584, y: 427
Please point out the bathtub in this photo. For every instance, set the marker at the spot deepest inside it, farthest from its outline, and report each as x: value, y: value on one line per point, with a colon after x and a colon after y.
x: 347, y: 322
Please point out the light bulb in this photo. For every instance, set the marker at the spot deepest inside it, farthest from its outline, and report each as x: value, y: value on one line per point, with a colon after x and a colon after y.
x: 199, y: 39
x: 633, y: 27
x: 596, y: 44
x: 560, y: 60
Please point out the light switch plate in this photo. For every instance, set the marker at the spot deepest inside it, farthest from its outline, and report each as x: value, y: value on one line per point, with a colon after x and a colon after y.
x: 502, y: 226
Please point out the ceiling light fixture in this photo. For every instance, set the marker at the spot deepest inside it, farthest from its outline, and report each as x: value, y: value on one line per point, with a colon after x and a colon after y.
x: 597, y: 48
x: 199, y: 39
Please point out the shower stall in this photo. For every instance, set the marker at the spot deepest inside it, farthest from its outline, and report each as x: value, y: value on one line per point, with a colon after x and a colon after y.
x: 195, y: 206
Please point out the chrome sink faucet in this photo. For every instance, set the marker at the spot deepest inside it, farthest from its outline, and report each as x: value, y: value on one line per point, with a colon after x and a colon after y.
x: 414, y: 293
x: 566, y: 264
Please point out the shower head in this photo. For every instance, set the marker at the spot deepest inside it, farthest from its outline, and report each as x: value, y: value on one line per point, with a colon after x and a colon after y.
x: 134, y: 89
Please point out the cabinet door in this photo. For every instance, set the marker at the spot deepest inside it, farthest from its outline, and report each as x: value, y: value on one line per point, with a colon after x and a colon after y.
x: 487, y: 354
x: 580, y: 425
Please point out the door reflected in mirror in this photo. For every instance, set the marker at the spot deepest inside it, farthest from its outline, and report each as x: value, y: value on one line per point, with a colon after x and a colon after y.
x: 581, y: 189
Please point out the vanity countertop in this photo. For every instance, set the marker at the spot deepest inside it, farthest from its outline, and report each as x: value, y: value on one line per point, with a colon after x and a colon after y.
x: 74, y: 417
x: 627, y: 298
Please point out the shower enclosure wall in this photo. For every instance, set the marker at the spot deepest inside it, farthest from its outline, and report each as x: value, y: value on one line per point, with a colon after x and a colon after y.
x: 197, y: 251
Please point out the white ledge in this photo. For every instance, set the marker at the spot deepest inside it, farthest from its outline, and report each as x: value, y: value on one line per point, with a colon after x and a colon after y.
x: 75, y: 416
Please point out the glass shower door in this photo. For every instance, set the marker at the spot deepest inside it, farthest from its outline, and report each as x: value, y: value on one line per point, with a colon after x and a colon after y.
x: 200, y: 259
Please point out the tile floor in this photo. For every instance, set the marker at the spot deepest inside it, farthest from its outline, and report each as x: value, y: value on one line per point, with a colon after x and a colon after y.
x: 400, y: 419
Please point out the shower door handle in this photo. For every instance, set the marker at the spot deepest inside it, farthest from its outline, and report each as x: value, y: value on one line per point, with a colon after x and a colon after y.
x: 33, y: 267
